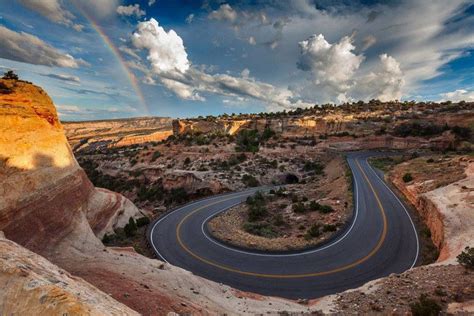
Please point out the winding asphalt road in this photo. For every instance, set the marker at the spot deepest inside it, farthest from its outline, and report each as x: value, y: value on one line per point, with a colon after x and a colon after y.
x: 380, y: 240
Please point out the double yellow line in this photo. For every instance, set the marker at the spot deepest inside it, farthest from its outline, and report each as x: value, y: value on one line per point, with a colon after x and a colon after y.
x: 288, y: 276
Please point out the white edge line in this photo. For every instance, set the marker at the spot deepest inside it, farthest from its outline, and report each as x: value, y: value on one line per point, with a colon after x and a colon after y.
x: 286, y: 255
x: 406, y: 211
x: 178, y: 209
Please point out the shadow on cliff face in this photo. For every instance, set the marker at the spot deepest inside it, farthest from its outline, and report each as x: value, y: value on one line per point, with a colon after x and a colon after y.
x: 40, y: 205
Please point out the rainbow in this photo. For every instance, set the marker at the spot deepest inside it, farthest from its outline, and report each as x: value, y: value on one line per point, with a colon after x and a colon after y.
x: 114, y: 50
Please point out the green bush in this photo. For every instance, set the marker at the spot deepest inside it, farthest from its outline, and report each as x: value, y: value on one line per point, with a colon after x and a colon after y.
x: 425, y: 307
x: 155, y: 156
x: 260, y: 229
x: 326, y: 209
x: 131, y: 228
x: 466, y: 258
x: 250, y: 181
x: 248, y: 141
x: 106, y: 239
x: 10, y: 75
x: 314, y: 206
x: 314, y: 166
x: 278, y: 220
x: 313, y: 232
x: 299, y: 207
x: 143, y: 221
x: 267, y: 134
x: 329, y: 228
x: 256, y: 207
x: 407, y: 177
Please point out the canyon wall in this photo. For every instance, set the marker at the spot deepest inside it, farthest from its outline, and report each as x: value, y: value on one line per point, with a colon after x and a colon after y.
x: 43, y: 188
x: 118, y: 133
x: 446, y: 210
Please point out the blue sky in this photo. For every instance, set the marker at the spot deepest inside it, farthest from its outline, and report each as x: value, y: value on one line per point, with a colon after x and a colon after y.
x: 185, y: 58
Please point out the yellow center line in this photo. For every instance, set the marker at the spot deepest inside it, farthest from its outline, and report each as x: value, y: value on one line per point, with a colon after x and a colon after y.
x: 288, y: 276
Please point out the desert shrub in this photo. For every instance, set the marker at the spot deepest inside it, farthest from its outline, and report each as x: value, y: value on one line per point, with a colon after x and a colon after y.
x: 256, y: 207
x: 314, y: 206
x: 143, y: 221
x: 150, y: 192
x: 187, y: 161
x: 260, y: 229
x: 407, y: 177
x: 430, y: 160
x: 326, y: 209
x: 155, y: 156
x: 267, y: 134
x: 466, y: 258
x: 250, y: 181
x: 314, y: 166
x: 106, y: 239
x: 299, y: 207
x: 291, y: 178
x: 278, y: 220
x: 425, y: 306
x: 419, y: 129
x: 177, y: 195
x: 247, y: 141
x: 463, y: 133
x: 10, y: 75
x: 256, y: 212
x: 236, y: 159
x: 313, y: 232
x: 329, y: 228
x: 131, y: 228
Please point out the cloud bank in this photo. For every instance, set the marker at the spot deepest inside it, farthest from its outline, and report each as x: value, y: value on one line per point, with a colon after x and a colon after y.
x: 30, y: 49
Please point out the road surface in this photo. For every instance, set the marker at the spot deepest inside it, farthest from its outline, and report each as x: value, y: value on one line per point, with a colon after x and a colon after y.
x: 381, y: 239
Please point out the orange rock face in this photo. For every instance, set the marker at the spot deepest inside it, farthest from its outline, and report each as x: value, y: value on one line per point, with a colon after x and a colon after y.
x: 44, y: 191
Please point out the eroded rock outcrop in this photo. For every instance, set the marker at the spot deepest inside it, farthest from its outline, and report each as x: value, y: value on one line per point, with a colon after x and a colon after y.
x: 31, y: 284
x: 446, y: 209
x: 43, y: 188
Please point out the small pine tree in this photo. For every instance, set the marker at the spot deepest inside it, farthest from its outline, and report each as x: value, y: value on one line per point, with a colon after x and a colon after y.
x: 10, y: 75
x: 131, y: 228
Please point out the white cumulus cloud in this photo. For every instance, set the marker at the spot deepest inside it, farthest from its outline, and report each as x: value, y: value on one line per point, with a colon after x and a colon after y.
x: 131, y: 10
x: 224, y: 13
x: 458, y: 95
x: 166, y: 51
x: 385, y: 83
x: 332, y: 65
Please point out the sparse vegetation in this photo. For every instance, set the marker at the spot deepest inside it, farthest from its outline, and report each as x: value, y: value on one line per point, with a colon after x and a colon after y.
x: 260, y: 229
x: 425, y: 306
x: 256, y: 207
x: 313, y: 231
x: 10, y: 75
x: 250, y: 181
x: 131, y: 228
x: 466, y: 258
x: 407, y: 177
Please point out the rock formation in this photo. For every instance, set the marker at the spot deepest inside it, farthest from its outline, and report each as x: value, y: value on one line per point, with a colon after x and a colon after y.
x: 32, y: 284
x: 43, y: 188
